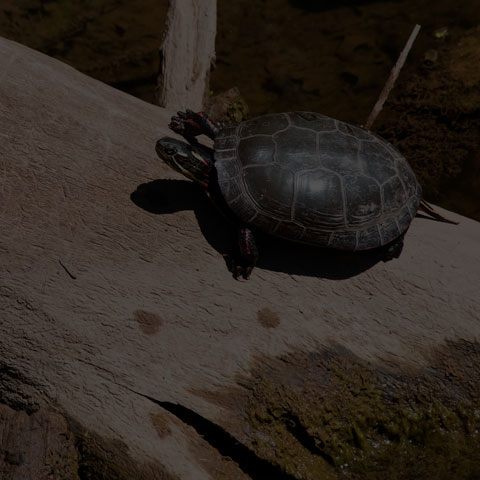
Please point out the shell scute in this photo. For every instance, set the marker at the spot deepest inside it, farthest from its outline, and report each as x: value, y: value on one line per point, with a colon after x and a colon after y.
x: 367, y: 237
x: 312, y: 121
x: 258, y: 150
x: 353, y: 131
x: 363, y: 200
x: 376, y: 161
x: 388, y: 230
x: 297, y: 150
x: 407, y: 177
x: 393, y: 195
x: 319, y: 200
x: 264, y: 125
x: 344, y: 240
x: 271, y: 189
x: 339, y: 153
x: 290, y: 230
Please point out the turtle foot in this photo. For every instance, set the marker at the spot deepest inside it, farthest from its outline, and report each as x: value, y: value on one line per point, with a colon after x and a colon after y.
x: 190, y: 124
x: 240, y: 271
x: 184, y: 126
x: 244, y: 259
x: 248, y: 254
x: 393, y: 249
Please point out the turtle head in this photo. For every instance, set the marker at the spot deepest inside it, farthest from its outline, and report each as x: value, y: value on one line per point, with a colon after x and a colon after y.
x: 195, y: 162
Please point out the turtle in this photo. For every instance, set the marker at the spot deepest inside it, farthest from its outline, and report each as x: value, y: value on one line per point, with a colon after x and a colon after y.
x: 300, y: 176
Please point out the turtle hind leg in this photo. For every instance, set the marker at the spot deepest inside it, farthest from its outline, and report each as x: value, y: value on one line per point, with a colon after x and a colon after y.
x: 247, y: 256
x: 393, y: 249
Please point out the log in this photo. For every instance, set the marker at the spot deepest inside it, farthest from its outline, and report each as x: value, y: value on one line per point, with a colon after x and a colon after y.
x: 119, y: 312
x: 187, y: 54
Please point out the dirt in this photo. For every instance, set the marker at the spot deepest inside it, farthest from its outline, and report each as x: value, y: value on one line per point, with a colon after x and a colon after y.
x: 36, y: 446
x: 329, y: 57
x: 148, y: 322
x: 268, y: 318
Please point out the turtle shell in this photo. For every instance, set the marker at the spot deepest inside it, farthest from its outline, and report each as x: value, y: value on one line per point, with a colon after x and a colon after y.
x: 312, y: 179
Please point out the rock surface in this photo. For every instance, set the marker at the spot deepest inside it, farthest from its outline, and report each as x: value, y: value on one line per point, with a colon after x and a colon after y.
x: 118, y: 308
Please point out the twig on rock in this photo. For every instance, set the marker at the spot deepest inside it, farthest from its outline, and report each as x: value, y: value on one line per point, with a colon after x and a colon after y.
x: 73, y: 277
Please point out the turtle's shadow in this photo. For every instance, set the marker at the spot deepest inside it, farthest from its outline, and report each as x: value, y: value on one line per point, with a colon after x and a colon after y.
x: 169, y: 196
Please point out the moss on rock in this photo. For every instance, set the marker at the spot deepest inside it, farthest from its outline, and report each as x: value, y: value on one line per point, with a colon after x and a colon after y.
x: 329, y: 415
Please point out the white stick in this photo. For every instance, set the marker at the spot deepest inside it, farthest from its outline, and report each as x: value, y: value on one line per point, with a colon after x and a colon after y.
x: 392, y: 78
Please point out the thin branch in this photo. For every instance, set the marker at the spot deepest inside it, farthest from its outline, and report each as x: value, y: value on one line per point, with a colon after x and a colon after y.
x: 392, y: 78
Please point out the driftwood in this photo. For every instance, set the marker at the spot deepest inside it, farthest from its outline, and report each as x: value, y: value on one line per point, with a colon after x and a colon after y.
x: 187, y: 54
x: 117, y: 306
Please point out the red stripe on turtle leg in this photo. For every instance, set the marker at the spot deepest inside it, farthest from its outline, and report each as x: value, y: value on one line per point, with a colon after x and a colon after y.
x: 248, y: 254
x: 248, y: 246
x: 246, y: 241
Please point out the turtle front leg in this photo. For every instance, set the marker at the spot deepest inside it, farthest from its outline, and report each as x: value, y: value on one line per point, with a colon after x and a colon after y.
x: 248, y: 254
x: 190, y: 124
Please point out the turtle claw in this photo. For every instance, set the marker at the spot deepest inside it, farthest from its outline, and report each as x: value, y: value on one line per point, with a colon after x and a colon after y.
x: 190, y: 124
x: 238, y: 270
x: 393, y: 249
x: 243, y: 263
x: 180, y: 124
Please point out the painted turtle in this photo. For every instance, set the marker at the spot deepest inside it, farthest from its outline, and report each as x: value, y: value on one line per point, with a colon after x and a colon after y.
x: 301, y: 176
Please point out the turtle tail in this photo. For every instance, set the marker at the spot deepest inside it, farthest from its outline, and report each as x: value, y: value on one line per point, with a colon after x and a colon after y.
x: 427, y: 208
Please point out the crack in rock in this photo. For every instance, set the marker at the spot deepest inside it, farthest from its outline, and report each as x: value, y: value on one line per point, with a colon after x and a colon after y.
x: 225, y: 443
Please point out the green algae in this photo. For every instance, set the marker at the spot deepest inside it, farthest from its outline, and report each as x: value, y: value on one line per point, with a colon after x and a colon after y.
x: 228, y: 107
x: 238, y: 111
x: 330, y: 415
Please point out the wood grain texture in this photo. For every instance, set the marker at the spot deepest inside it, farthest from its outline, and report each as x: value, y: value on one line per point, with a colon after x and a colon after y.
x: 153, y: 314
x: 187, y: 54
